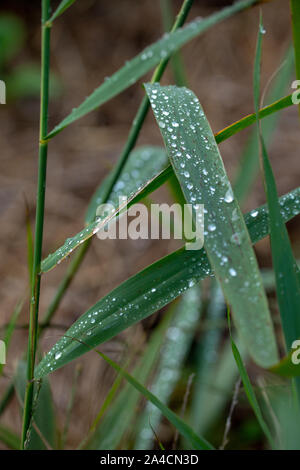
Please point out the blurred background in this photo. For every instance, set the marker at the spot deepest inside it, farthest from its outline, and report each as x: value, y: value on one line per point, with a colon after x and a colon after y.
x: 89, y: 42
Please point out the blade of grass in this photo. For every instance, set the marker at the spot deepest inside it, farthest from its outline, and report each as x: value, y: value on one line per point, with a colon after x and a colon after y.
x: 9, y: 438
x: 285, y: 267
x: 43, y: 411
x: 199, y: 168
x: 39, y: 224
x: 173, y: 353
x: 146, y: 60
x: 196, y: 441
x: 248, y: 388
x: 135, y: 299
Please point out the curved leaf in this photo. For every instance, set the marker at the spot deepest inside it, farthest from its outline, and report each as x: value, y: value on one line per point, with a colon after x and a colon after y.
x: 199, y: 168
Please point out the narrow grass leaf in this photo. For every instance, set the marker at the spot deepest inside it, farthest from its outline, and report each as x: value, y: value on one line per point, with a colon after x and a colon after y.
x: 177, y: 343
x: 63, y: 6
x: 199, y: 168
x: 146, y: 60
x: 196, y: 441
x: 43, y: 415
x: 148, y: 291
x: 249, y: 389
x: 285, y: 266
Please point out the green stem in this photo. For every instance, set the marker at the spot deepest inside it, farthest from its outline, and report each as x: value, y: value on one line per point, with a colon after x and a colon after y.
x: 129, y: 145
x: 40, y: 205
x: 295, y: 13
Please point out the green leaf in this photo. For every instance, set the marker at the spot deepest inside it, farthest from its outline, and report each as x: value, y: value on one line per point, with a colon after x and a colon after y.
x: 295, y: 12
x: 135, y: 182
x: 145, y: 61
x: 199, y: 168
x: 249, y: 389
x: 197, y: 442
x: 142, y: 165
x: 119, y: 416
x: 284, y: 263
x: 43, y: 415
x: 148, y: 291
x: 287, y: 367
x: 64, y: 5
x: 72, y: 243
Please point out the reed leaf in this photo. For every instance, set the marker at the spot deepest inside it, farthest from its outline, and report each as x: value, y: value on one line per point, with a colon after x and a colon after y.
x: 199, y: 168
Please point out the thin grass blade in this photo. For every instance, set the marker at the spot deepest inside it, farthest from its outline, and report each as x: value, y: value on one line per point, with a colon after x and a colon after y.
x: 63, y: 6
x: 146, y: 60
x: 196, y: 441
x: 285, y: 266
